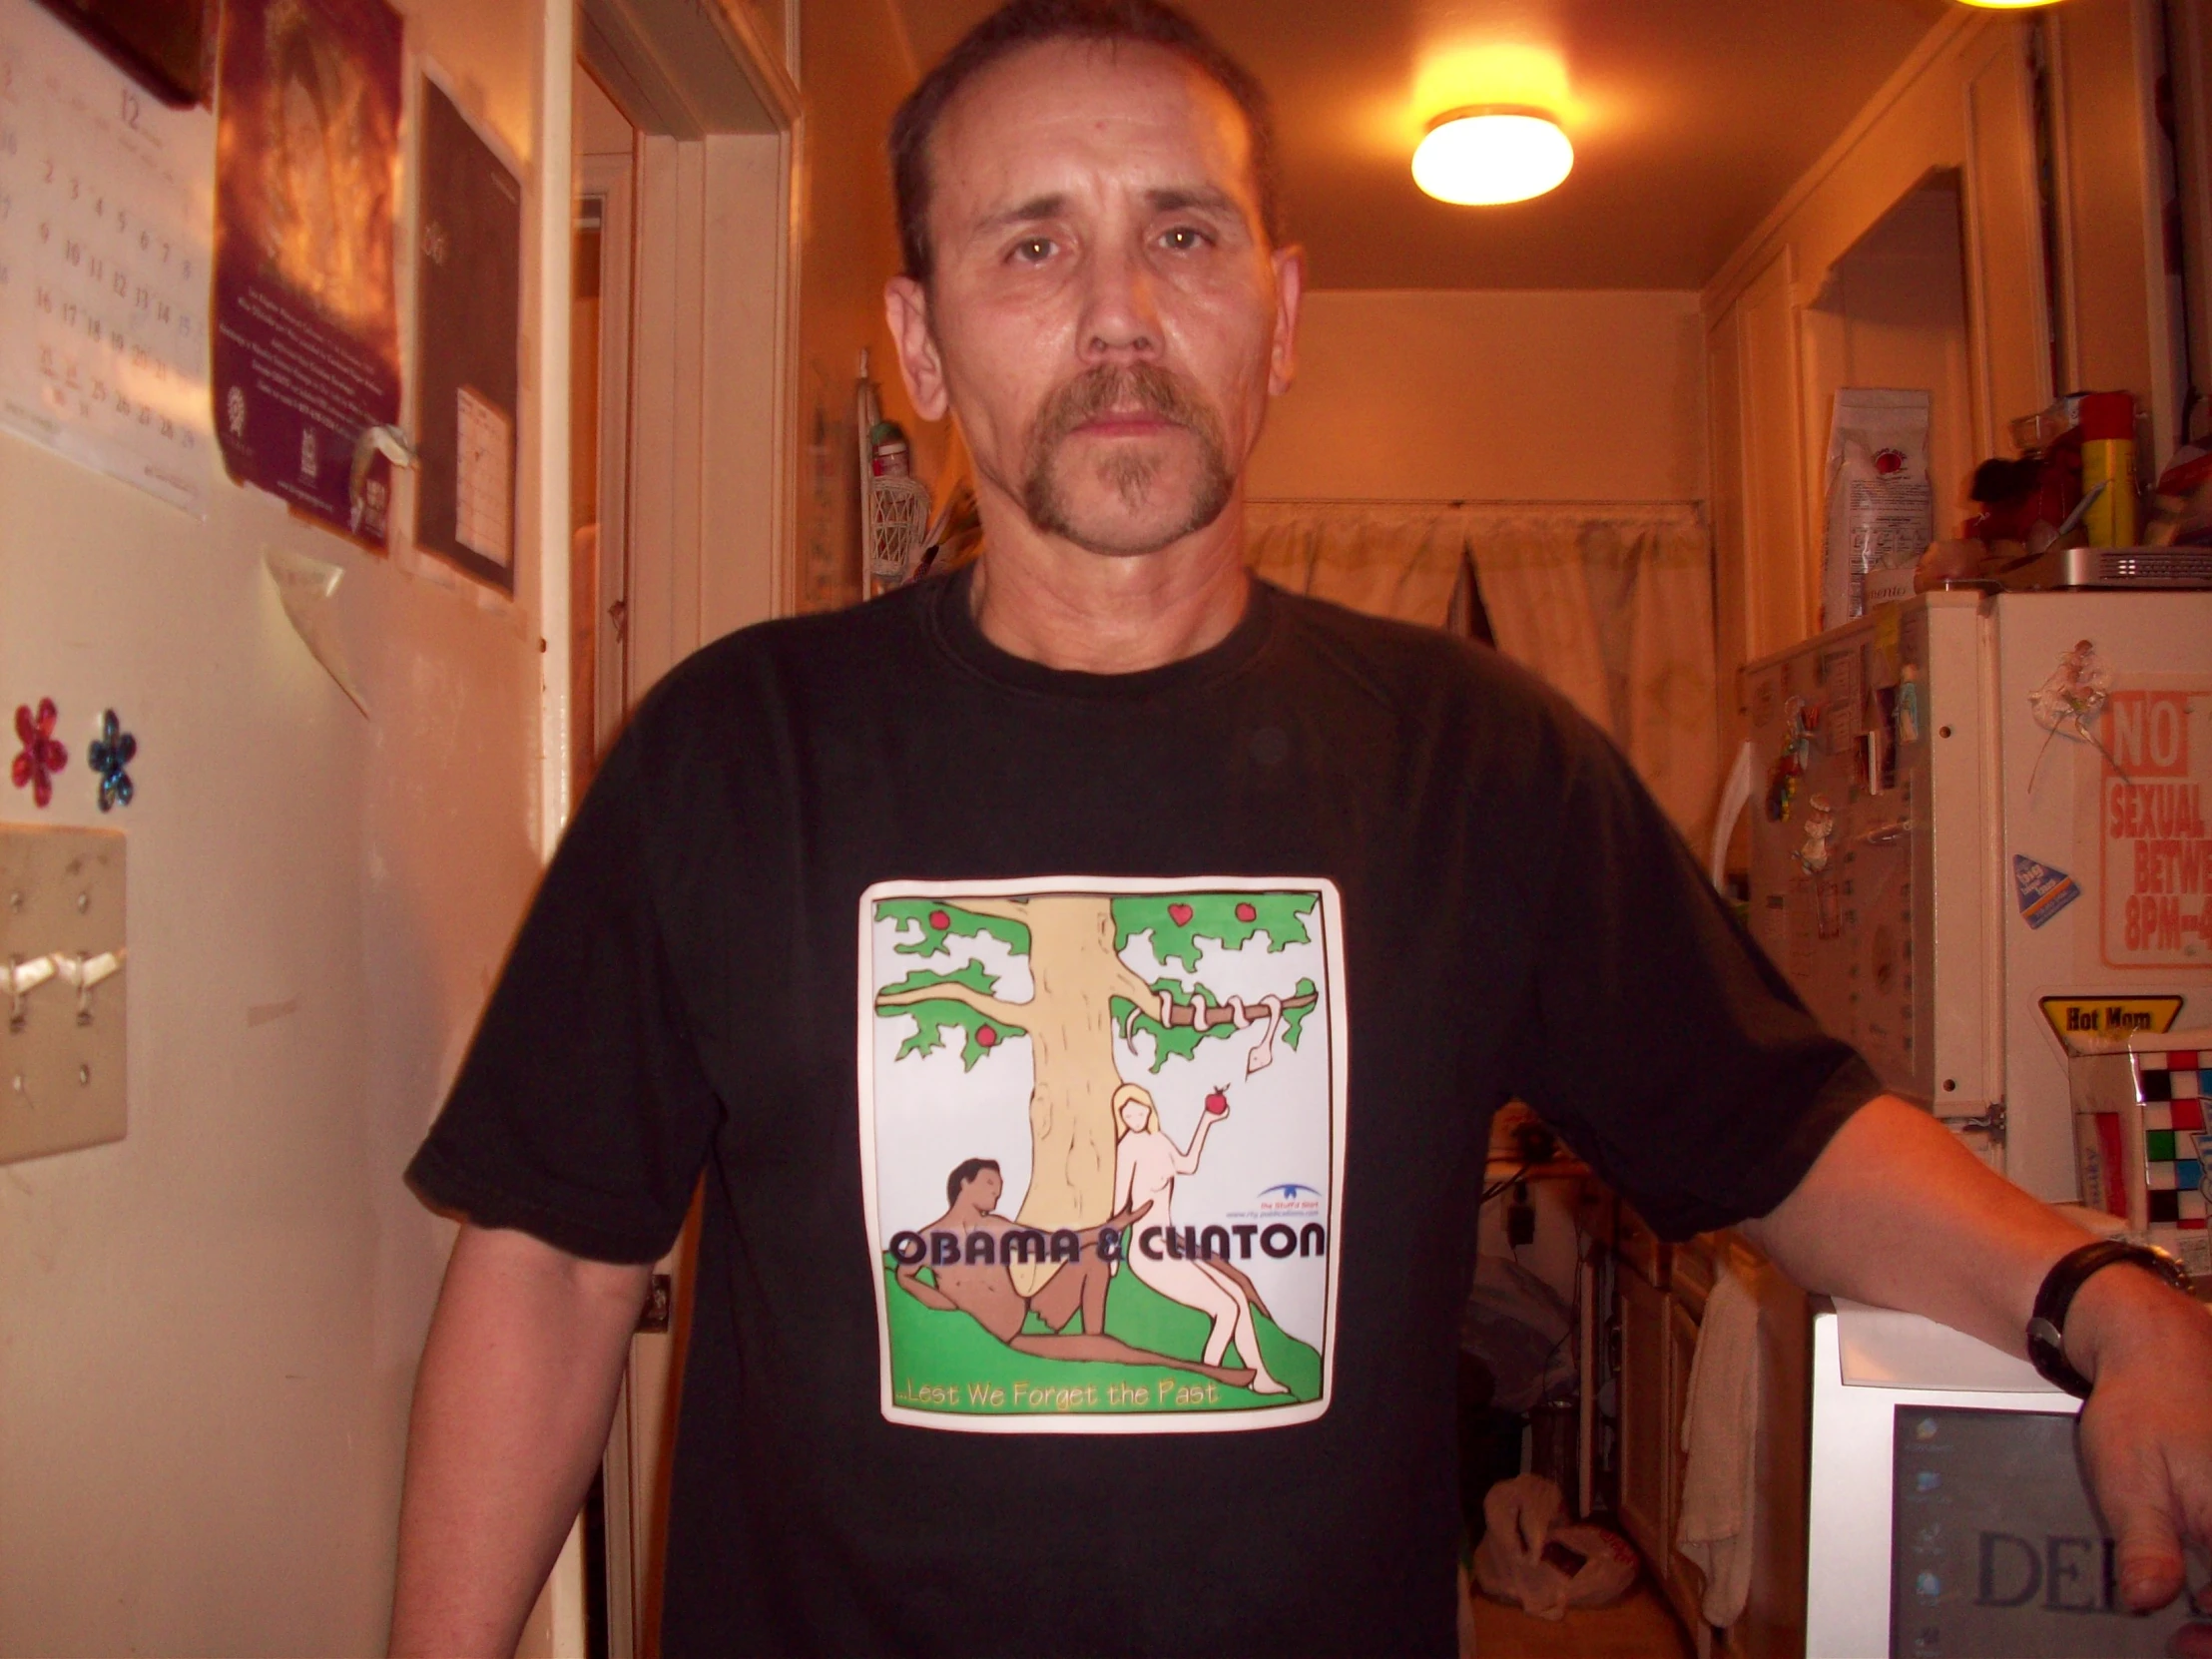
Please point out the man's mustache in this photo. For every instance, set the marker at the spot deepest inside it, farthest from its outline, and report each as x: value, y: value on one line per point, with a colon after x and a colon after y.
x: 1111, y: 388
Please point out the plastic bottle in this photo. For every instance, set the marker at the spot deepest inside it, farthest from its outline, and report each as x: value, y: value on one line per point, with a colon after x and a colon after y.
x: 2107, y: 425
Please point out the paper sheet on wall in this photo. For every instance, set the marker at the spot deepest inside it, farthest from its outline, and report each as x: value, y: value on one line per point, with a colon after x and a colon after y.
x: 305, y: 588
x: 106, y: 213
x: 484, y: 484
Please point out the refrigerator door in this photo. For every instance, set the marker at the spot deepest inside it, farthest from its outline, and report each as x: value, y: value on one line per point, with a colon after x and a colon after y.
x: 1868, y: 844
x: 2104, y: 725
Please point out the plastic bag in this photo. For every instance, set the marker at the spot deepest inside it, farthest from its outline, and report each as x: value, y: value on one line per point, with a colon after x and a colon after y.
x: 1881, y: 504
x: 1521, y: 1328
x: 1525, y: 1556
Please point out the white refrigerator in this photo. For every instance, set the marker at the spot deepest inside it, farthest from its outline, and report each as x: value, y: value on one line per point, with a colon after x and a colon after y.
x: 1978, y: 824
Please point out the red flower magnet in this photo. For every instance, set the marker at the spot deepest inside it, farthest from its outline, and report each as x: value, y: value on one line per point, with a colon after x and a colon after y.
x: 43, y: 753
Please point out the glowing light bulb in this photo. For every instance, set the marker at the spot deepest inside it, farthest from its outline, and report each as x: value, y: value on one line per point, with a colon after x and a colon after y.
x: 1486, y: 156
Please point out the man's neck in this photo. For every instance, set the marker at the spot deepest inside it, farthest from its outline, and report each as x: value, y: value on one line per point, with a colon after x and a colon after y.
x: 1046, y: 599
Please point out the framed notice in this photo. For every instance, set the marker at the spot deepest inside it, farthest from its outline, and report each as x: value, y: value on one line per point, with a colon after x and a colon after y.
x: 306, y: 342
x: 104, y: 212
x: 468, y: 309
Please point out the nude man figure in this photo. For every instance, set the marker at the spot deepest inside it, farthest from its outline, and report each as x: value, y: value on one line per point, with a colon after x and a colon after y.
x: 985, y: 1292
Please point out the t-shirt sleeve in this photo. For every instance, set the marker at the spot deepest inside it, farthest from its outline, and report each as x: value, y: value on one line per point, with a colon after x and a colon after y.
x: 582, y: 1113
x: 1665, y: 1046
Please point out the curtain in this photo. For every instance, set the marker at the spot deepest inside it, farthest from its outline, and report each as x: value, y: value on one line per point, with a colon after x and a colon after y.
x: 1610, y: 603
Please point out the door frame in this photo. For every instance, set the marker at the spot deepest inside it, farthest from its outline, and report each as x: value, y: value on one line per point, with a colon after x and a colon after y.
x: 709, y: 507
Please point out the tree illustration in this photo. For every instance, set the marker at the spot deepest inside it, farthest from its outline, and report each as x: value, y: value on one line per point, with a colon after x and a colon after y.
x: 1085, y: 997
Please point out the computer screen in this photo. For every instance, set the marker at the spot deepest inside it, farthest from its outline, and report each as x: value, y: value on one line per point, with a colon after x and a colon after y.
x: 1995, y: 1551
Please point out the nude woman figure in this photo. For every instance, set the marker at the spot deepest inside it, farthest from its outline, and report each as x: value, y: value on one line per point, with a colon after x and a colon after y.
x: 1146, y: 1164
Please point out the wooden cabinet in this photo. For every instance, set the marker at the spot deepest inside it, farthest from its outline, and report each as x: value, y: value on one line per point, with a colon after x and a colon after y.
x: 1659, y: 1325
x: 2009, y: 288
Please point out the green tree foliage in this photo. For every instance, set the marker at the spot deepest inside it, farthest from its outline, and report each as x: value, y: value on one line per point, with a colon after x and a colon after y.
x: 1177, y: 924
x: 931, y: 1018
x: 1180, y: 1042
x: 1177, y: 921
x: 939, y: 923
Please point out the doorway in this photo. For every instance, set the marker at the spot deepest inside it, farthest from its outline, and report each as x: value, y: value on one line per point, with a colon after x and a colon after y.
x: 682, y: 328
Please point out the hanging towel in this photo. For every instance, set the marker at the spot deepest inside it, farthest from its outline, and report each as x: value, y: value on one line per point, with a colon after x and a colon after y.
x: 1720, y: 1434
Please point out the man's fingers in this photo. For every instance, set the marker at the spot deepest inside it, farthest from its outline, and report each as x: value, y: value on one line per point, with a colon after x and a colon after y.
x: 2191, y: 1641
x: 2149, y: 1557
x: 2132, y: 1482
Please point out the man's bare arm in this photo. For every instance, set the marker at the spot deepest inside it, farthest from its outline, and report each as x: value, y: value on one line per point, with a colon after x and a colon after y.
x: 511, y: 1406
x: 909, y: 1276
x: 1897, y: 1212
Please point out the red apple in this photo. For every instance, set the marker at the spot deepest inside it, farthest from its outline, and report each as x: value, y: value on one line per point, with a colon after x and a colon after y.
x: 939, y: 920
x: 986, y: 1036
x: 1180, y: 915
x: 1246, y: 912
x: 1217, y: 1102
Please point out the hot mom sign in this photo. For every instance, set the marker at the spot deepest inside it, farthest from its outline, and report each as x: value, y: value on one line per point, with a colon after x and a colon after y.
x: 2157, y: 850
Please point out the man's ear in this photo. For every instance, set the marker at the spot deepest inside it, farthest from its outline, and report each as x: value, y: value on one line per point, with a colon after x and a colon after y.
x: 1289, y: 294
x: 907, y: 309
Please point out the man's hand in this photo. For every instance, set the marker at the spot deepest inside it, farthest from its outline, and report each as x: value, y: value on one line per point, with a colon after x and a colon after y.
x: 2146, y: 1430
x: 1894, y: 1212
x: 511, y: 1406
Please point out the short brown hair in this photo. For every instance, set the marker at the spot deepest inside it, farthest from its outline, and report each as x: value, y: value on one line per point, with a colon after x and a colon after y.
x: 963, y: 1173
x: 1022, y: 23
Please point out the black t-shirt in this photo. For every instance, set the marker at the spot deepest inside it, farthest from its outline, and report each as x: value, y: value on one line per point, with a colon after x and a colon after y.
x: 988, y: 996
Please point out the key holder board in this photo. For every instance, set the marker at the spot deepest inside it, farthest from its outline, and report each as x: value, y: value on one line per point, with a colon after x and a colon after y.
x: 62, y: 989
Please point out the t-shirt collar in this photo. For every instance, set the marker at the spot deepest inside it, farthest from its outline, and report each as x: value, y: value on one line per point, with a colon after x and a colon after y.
x: 950, y: 616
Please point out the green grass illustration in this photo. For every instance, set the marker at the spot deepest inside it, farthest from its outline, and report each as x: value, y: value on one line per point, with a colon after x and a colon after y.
x: 931, y: 1349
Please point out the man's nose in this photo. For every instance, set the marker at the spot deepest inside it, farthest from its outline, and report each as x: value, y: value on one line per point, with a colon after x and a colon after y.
x: 1121, y: 319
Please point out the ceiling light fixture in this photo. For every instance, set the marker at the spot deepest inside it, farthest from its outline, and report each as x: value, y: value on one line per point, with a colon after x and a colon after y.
x: 1491, y: 153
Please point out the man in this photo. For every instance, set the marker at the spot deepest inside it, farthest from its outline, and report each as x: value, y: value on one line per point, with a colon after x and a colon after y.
x: 1096, y: 284
x: 974, y: 1280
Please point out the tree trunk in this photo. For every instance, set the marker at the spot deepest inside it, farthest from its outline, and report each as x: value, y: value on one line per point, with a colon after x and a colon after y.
x: 1070, y: 1020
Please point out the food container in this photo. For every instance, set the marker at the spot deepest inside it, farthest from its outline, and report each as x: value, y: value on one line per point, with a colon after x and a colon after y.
x: 2142, y: 1144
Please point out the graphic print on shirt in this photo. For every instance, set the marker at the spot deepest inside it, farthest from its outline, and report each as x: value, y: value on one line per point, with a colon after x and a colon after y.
x: 1102, y: 1130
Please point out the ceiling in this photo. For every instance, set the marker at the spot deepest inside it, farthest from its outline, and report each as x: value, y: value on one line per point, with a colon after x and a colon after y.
x: 1690, y: 117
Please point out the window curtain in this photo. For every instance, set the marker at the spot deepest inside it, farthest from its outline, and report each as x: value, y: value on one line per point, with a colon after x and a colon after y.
x: 1611, y: 604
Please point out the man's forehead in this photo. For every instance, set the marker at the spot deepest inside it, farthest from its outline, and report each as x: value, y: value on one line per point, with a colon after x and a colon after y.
x: 1068, y: 115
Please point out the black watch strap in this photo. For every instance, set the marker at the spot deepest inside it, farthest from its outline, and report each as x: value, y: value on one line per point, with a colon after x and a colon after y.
x: 2046, y: 1331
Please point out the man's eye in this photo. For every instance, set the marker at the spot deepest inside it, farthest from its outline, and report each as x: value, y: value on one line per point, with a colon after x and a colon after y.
x: 1033, y: 250
x: 1184, y: 239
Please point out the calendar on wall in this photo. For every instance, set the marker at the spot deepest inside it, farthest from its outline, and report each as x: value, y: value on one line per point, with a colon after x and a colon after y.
x: 106, y: 216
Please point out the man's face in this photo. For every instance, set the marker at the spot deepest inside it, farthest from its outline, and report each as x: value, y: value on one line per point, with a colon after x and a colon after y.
x: 1105, y: 315
x: 985, y: 1190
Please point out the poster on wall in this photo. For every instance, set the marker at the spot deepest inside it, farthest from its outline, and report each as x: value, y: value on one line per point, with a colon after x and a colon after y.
x: 468, y: 313
x: 2150, y: 786
x: 105, y: 202
x: 307, y: 330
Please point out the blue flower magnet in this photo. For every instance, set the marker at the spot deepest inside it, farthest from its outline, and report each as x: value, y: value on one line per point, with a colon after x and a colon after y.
x: 110, y: 752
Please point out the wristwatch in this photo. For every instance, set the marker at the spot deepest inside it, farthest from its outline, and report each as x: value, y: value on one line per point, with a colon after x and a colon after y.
x: 2046, y: 1331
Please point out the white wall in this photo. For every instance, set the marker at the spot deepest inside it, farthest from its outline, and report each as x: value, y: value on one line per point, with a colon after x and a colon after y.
x: 1485, y: 394
x: 208, y: 1331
